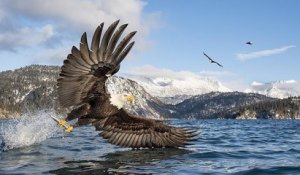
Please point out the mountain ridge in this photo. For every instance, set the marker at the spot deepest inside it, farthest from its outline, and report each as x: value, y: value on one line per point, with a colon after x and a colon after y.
x: 34, y: 88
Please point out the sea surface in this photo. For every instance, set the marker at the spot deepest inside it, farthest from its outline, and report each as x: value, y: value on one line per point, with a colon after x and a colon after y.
x: 35, y: 145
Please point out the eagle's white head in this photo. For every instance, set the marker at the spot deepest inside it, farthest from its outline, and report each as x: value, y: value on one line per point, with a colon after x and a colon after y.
x: 119, y: 100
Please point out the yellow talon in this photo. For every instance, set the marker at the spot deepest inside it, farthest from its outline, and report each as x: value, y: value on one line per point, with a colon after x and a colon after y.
x: 65, y: 124
x: 62, y: 123
x: 69, y: 129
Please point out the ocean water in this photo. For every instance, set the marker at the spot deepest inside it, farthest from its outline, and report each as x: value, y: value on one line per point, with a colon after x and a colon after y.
x: 35, y: 145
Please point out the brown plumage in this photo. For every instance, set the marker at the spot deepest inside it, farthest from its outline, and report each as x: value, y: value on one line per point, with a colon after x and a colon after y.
x: 81, y: 85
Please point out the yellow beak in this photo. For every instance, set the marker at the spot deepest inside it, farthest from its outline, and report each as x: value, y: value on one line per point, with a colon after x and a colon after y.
x: 130, y: 99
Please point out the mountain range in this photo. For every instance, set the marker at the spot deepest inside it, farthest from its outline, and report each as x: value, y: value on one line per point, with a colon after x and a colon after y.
x: 34, y: 88
x: 276, y: 89
x: 175, y: 89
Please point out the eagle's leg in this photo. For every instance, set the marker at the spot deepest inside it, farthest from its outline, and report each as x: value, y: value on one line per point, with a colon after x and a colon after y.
x: 85, y: 120
x: 78, y: 112
x: 81, y: 113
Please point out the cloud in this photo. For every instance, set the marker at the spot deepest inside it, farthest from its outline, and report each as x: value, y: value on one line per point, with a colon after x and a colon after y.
x: 73, y: 17
x: 43, y: 32
x: 219, y: 74
x: 151, y: 71
x: 52, y: 56
x: 263, y: 53
x: 25, y: 37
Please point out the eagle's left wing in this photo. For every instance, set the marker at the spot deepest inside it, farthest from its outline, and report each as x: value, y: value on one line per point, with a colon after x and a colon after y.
x: 126, y: 130
x: 218, y: 64
x: 207, y: 56
x: 85, y: 70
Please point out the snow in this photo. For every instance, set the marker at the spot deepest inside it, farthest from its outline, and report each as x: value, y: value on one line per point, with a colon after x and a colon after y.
x: 277, y: 89
x: 160, y: 86
x: 140, y: 106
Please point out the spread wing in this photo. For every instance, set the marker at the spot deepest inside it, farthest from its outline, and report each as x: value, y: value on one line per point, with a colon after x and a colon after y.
x: 128, y: 131
x: 208, y: 57
x: 85, y: 70
x: 212, y: 61
x: 218, y: 64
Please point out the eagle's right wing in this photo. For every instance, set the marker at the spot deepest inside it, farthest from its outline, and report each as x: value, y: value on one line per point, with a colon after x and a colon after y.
x: 129, y: 131
x: 218, y: 64
x: 85, y: 70
x: 207, y: 56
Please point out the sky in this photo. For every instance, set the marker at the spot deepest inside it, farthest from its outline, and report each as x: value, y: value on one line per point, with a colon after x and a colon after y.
x: 172, y: 35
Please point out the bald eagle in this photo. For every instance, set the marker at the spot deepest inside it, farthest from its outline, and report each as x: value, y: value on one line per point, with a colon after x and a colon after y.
x: 249, y: 43
x: 211, y: 60
x: 81, y: 86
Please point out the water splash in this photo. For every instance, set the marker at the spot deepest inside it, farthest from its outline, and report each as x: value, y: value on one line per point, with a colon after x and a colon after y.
x: 30, y: 128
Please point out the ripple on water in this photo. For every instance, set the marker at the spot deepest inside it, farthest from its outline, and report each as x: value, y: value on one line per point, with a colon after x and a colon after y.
x: 223, y: 147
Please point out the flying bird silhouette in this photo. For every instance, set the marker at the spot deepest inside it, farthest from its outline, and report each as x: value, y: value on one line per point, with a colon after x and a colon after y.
x: 249, y: 43
x: 211, y: 60
x: 81, y: 85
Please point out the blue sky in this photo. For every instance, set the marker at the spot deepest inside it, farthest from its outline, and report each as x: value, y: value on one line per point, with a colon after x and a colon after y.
x: 172, y: 34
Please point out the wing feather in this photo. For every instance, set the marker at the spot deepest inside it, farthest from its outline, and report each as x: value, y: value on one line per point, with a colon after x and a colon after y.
x: 120, y: 139
x: 116, y: 138
x: 124, y: 53
x: 114, y: 41
x: 84, y: 50
x: 96, y: 38
x: 124, y: 140
x: 77, y: 57
x: 138, y: 132
x: 85, y: 70
x: 77, y: 64
x: 130, y: 139
x: 122, y: 45
x: 148, y: 141
x: 134, y: 141
x: 105, y: 40
x: 138, y: 142
x: 143, y: 141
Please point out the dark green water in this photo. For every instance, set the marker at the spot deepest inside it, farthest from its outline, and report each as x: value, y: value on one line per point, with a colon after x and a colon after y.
x: 224, y: 147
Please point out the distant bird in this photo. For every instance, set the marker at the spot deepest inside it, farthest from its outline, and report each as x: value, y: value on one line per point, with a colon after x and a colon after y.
x: 212, y: 61
x: 81, y: 85
x: 249, y: 43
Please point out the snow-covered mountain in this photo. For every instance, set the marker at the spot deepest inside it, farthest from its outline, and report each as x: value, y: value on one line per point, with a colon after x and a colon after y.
x: 276, y: 89
x: 34, y: 88
x: 144, y: 103
x: 214, y: 104
x: 175, y: 89
x: 170, y: 87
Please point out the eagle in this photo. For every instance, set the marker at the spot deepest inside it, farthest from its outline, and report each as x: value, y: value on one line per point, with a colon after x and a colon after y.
x: 249, y: 43
x: 81, y: 87
x: 211, y: 60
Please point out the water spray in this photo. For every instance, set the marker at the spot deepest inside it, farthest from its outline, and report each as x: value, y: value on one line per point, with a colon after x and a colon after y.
x: 29, y: 129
